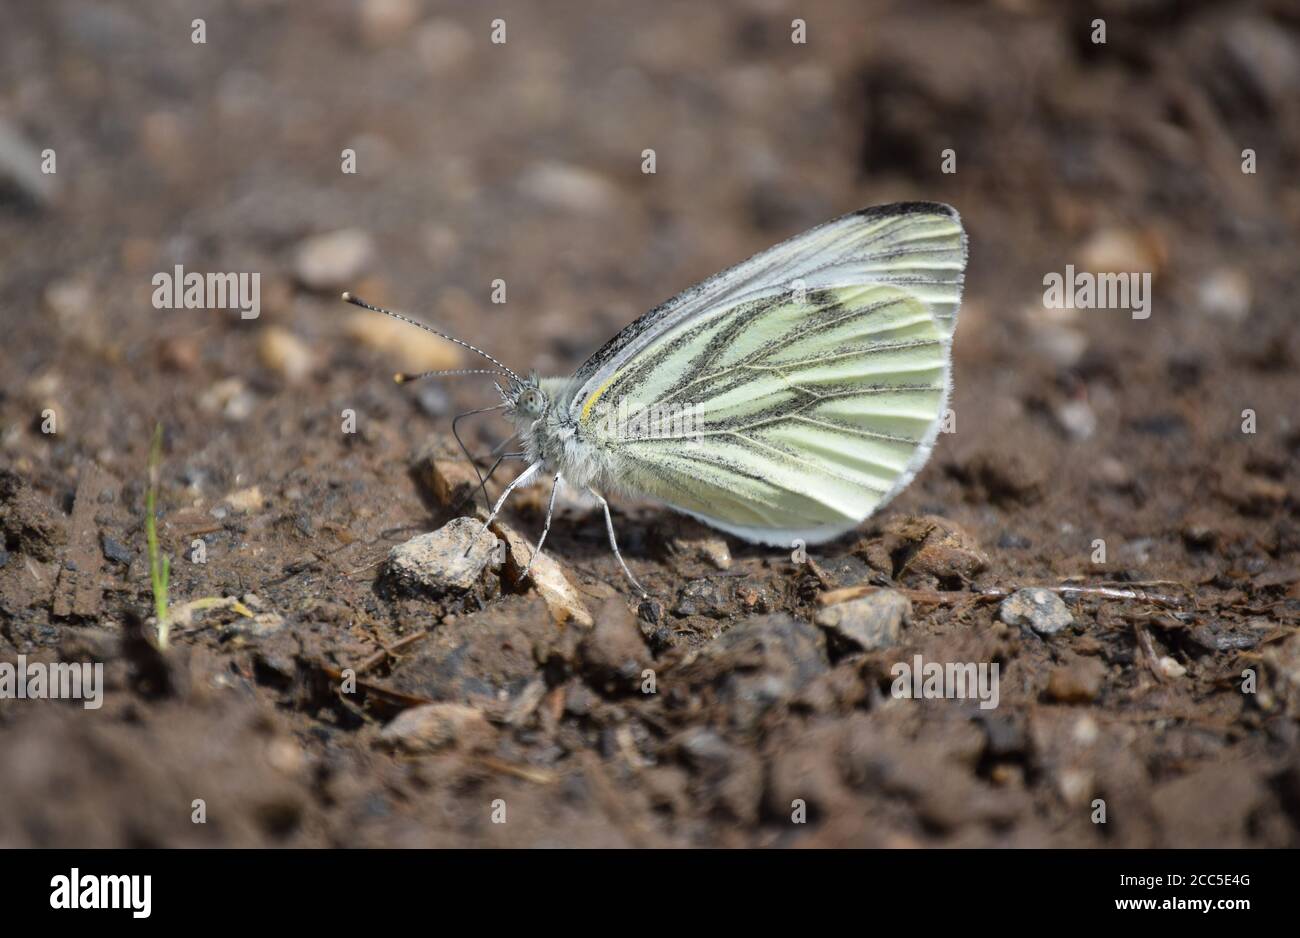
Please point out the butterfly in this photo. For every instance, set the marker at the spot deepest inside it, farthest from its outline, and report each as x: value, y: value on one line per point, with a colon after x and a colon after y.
x: 782, y: 401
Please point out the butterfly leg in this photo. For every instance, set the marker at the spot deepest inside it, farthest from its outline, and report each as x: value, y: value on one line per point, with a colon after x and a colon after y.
x: 609, y: 526
x: 546, y: 527
x: 522, y: 479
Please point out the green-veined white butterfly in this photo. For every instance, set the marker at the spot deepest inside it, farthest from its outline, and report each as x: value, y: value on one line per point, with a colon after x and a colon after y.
x: 784, y: 399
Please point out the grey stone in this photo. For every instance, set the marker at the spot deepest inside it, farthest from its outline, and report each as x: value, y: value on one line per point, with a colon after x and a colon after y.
x: 1040, y: 609
x: 873, y: 622
x: 437, y: 562
x: 116, y: 551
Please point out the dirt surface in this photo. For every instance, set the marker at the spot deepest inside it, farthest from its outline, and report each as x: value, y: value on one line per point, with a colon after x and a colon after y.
x: 1089, y: 448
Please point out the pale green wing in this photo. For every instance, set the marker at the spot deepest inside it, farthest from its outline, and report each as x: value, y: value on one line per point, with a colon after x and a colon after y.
x: 778, y: 412
x: 919, y: 246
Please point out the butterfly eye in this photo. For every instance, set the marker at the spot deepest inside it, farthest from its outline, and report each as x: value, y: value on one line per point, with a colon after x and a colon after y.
x: 532, y: 402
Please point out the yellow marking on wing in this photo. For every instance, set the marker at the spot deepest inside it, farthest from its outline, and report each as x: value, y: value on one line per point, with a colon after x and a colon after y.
x: 591, y: 401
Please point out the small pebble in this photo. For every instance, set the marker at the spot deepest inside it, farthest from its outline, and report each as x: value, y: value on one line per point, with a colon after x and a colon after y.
x: 1076, y: 418
x: 1112, y: 473
x: 246, y: 501
x: 436, y: 726
x: 1170, y: 668
x: 1225, y: 294
x: 579, y: 700
x: 1061, y: 344
x: 383, y: 21
x: 1040, y: 609
x: 437, y: 561
x: 230, y: 398
x: 1122, y: 250
x: 569, y: 188
x: 545, y: 576
x: 69, y: 300
x: 873, y: 622
x: 286, y: 756
x: 284, y: 353
x: 179, y: 353
x: 333, y: 261
x: 1075, y: 786
x: 116, y: 551
x: 443, y: 44
x: 934, y: 547
x: 1086, y: 731
x: 703, y: 748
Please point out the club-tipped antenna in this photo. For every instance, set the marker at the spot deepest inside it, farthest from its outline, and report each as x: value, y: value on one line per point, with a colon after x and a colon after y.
x: 357, y: 301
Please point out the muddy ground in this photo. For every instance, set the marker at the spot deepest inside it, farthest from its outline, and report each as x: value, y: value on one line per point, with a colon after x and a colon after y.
x: 1090, y: 448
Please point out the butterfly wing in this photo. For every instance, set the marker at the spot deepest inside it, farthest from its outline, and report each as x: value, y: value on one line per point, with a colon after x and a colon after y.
x: 792, y: 395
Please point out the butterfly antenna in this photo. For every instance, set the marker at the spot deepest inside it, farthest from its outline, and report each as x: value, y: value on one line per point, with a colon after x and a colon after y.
x: 403, y: 378
x: 357, y: 301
